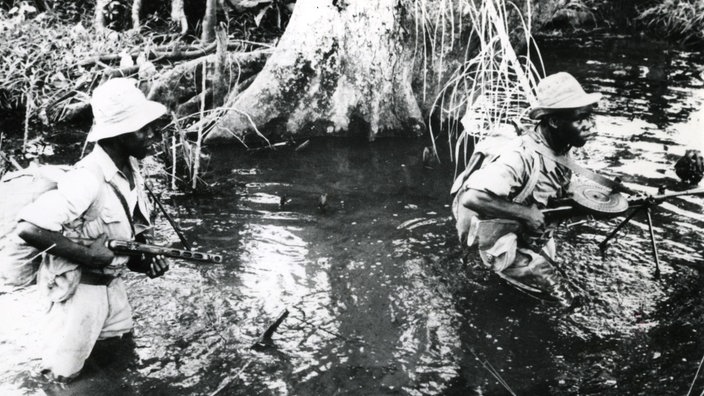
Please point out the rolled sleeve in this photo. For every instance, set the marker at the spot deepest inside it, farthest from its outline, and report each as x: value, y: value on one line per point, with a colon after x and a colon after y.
x: 503, y: 177
x: 73, y: 196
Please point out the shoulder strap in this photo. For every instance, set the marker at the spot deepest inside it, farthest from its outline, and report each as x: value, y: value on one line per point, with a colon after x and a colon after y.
x: 532, y: 181
x: 475, y: 162
x: 124, y: 204
x: 576, y: 168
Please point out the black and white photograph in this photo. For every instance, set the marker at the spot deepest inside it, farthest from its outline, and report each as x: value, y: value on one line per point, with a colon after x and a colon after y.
x: 351, y: 197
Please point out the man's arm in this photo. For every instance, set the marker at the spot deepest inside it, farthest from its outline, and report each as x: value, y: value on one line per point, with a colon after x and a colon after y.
x: 96, y: 255
x: 494, y: 206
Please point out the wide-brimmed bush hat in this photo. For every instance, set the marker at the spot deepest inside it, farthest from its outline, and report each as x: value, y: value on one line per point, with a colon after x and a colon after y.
x: 560, y: 91
x: 119, y: 107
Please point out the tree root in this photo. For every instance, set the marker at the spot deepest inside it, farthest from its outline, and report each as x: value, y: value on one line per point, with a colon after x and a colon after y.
x: 181, y: 83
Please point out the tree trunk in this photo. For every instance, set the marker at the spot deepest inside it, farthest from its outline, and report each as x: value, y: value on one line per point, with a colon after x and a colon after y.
x: 209, y: 21
x: 99, y: 19
x: 339, y: 65
x: 136, y: 10
x: 178, y: 15
x: 347, y: 67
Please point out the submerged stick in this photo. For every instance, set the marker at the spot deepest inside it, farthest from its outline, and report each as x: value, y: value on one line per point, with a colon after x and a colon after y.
x: 493, y: 372
x: 229, y: 380
x: 695, y: 377
x: 265, y: 336
x: 272, y: 328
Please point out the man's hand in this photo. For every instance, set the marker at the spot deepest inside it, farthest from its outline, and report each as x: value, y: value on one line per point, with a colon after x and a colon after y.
x: 152, y: 266
x: 690, y: 168
x: 157, y: 267
x: 100, y: 255
x: 534, y: 220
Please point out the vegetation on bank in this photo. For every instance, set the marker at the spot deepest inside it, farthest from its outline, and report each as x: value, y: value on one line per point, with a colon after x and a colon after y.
x: 51, y: 61
x: 43, y: 54
x: 678, y: 19
x: 42, y: 60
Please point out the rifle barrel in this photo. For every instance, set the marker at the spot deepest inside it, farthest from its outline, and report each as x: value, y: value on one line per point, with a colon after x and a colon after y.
x: 694, y: 191
x: 659, y: 198
x: 132, y: 248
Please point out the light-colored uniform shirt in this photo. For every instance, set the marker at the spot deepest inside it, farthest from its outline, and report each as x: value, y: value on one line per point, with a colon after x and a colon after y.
x: 510, y: 171
x: 84, y: 205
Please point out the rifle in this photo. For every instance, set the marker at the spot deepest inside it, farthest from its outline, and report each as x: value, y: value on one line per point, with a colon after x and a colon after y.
x: 131, y: 248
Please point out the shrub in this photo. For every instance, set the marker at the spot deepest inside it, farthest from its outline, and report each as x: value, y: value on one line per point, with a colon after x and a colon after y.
x: 40, y: 58
x: 679, y: 19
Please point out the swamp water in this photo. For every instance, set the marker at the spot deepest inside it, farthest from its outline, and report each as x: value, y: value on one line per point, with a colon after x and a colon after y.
x: 379, y: 301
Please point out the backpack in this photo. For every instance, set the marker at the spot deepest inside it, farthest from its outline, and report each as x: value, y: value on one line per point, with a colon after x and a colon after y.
x: 489, y: 150
x: 486, y: 152
x: 18, y: 260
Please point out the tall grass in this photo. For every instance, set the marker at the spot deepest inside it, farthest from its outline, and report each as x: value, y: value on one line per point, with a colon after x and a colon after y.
x: 40, y: 61
x: 493, y: 84
x: 679, y: 19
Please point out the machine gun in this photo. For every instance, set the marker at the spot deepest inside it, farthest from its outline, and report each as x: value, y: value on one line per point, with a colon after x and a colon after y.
x: 597, y: 201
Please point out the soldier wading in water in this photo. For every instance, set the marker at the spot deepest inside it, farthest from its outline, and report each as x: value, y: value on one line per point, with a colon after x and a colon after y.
x: 102, y: 197
x: 509, y: 183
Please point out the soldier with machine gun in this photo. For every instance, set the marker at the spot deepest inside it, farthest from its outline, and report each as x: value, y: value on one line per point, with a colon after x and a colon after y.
x: 499, y: 197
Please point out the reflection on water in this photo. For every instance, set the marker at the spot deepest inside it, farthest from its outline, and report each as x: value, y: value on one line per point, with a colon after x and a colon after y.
x: 380, y: 301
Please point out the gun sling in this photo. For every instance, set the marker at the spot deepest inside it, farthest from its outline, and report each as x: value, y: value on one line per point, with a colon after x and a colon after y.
x: 579, y: 169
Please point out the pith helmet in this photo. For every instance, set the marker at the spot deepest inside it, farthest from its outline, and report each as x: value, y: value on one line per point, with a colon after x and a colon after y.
x: 119, y: 107
x: 560, y: 91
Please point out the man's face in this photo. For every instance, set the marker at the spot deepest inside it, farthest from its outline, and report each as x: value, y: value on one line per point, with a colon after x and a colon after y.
x: 577, y: 128
x: 137, y: 143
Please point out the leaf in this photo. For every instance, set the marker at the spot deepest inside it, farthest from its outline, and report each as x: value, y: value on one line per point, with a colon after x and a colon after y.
x: 261, y: 14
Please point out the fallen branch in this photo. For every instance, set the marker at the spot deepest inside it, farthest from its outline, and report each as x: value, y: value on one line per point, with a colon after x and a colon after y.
x: 181, y: 81
x: 122, y: 72
x: 266, y: 335
x: 171, y: 54
x: 192, y: 105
